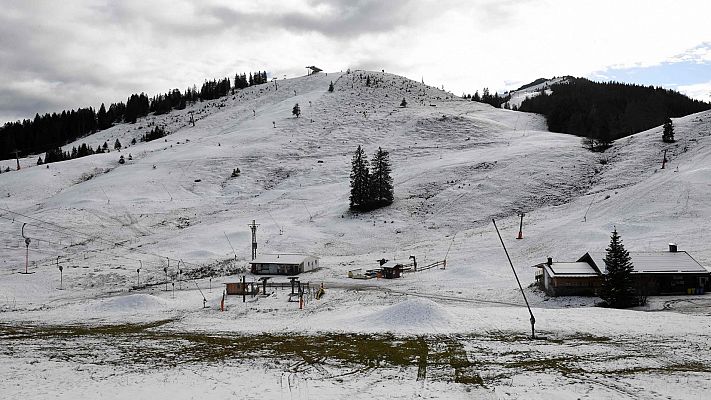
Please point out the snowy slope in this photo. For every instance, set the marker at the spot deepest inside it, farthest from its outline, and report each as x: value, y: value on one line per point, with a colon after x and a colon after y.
x: 456, y: 164
x: 518, y: 96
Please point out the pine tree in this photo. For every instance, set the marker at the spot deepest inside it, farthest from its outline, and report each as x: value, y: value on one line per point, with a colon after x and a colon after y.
x: 360, y: 180
x: 330, y: 87
x: 476, y: 96
x: 105, y: 147
x: 381, y: 183
x: 617, y: 290
x: 403, y: 103
x: 296, y: 110
x: 102, y: 118
x: 39, y: 161
x: 668, y: 135
x: 117, y: 145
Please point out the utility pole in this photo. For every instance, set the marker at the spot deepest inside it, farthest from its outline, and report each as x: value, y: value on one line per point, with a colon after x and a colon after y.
x: 27, y: 248
x: 664, y: 160
x: 17, y: 158
x: 59, y: 267
x: 253, y: 226
x: 520, y: 228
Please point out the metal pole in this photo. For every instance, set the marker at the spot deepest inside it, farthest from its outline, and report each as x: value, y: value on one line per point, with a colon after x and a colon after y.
x: 244, y: 289
x: 27, y: 254
x: 59, y: 267
x: 533, y: 319
x: 520, y: 228
x: 664, y: 160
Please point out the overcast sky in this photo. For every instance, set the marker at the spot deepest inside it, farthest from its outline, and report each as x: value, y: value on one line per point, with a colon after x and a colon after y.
x: 57, y: 55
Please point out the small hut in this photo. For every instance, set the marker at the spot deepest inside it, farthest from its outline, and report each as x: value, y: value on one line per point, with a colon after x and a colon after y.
x: 313, y: 70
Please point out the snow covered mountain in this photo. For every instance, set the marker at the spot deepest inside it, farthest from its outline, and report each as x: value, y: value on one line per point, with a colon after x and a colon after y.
x: 456, y: 165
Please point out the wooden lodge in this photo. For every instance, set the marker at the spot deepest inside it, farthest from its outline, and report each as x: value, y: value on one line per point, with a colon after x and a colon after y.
x: 655, y: 273
x: 283, y: 264
x: 240, y: 288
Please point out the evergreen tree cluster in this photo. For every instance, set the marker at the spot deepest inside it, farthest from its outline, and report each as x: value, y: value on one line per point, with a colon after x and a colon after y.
x: 47, y: 132
x: 486, y: 97
x: 371, y: 183
x: 173, y: 100
x: 604, y: 112
x: 215, y: 89
x: 57, y: 154
x: 137, y: 106
x: 155, y: 133
x: 617, y: 287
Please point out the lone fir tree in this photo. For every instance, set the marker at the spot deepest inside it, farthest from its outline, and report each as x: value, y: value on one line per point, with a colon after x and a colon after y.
x: 360, y: 180
x: 117, y: 145
x: 296, y: 110
x: 668, y: 134
x: 403, y: 103
x: 330, y: 87
x: 381, y: 183
x: 617, y: 289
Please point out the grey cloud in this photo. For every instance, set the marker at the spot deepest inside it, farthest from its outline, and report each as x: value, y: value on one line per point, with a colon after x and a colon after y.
x: 84, y: 50
x: 345, y: 19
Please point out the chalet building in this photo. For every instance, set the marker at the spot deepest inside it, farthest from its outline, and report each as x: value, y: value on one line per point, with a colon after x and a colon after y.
x: 283, y: 264
x: 569, y: 278
x: 655, y: 273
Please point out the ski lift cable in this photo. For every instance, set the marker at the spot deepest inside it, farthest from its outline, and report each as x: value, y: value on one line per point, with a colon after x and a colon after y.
x: 88, y: 236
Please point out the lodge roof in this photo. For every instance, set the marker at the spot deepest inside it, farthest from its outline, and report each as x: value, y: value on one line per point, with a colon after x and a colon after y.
x: 648, y: 262
x: 570, y: 270
x: 288, y: 259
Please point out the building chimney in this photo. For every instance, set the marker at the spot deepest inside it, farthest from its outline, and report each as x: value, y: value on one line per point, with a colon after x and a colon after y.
x: 550, y: 261
x: 672, y: 247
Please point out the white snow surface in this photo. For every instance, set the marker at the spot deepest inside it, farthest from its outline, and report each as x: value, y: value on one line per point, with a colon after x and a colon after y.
x: 409, y: 314
x: 518, y: 96
x: 456, y: 165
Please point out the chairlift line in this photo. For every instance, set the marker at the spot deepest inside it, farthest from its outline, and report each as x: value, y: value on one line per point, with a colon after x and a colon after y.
x: 85, y: 235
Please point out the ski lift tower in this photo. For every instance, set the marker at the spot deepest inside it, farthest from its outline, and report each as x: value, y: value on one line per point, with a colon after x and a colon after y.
x: 253, y: 226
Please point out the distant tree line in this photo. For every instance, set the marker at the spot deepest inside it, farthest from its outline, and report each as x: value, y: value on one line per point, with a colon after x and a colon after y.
x: 603, y: 112
x: 57, y: 154
x: 51, y: 131
x: 486, y: 97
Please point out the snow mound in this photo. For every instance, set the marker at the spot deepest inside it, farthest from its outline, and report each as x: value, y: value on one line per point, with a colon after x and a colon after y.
x: 130, y: 303
x: 412, y: 313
